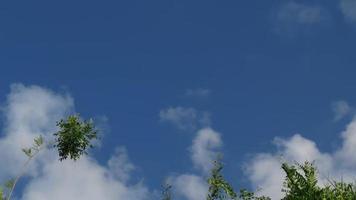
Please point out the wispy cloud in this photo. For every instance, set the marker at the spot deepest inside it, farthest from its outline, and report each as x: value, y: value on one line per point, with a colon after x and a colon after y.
x: 348, y: 9
x: 186, y: 119
x: 120, y: 164
x: 292, y: 17
x: 341, y: 109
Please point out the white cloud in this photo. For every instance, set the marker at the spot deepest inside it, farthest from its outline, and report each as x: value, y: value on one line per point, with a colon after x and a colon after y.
x: 264, y: 172
x: 348, y: 9
x: 32, y: 111
x: 84, y: 179
x: 189, y: 186
x: 292, y: 17
x: 341, y: 109
x: 264, y: 169
x: 205, y: 149
x: 199, y: 92
x: 346, y: 154
x: 187, y: 119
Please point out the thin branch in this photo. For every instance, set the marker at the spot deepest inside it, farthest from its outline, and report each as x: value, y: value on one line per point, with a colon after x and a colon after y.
x: 23, y: 171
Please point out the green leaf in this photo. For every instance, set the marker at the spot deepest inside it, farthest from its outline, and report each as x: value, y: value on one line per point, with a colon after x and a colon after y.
x: 38, y: 141
x: 27, y: 151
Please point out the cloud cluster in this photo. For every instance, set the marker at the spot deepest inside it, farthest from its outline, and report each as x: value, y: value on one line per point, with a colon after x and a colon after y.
x: 186, y: 119
x: 265, y: 173
x: 203, y: 151
x: 31, y: 111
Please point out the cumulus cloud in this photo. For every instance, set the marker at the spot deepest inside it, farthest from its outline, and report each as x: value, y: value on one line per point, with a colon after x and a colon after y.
x: 264, y: 169
x: 84, y: 179
x: 186, y: 119
x: 341, y: 109
x: 189, y: 186
x: 31, y: 111
x: 348, y: 9
x: 292, y: 17
x: 204, y: 151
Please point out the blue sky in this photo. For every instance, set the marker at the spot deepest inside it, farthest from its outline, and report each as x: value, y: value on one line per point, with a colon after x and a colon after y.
x: 250, y: 70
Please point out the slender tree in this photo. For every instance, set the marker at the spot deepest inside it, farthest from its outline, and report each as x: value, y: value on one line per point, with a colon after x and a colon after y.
x: 219, y: 188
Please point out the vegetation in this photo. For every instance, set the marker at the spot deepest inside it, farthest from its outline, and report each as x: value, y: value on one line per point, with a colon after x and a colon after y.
x: 218, y: 187
x: 300, y: 183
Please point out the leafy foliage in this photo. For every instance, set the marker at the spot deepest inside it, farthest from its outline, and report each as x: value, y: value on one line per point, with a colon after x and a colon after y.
x: 74, y: 137
x: 246, y: 195
x: 301, y: 184
x: 218, y: 187
x: 36, y: 147
x: 30, y: 153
